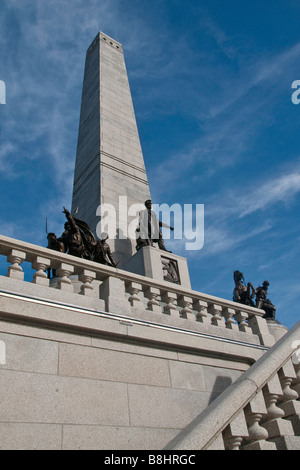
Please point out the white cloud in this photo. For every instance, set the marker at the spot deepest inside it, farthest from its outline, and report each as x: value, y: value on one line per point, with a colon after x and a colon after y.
x: 222, y: 239
x: 233, y: 118
x: 280, y: 189
x: 7, y: 150
x: 9, y: 229
x: 245, y: 199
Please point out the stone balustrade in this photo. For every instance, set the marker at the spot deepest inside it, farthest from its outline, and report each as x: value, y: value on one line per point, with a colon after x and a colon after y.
x: 128, y: 293
x: 260, y: 411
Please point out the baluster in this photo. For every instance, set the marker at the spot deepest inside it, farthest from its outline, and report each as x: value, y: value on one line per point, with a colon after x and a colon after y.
x: 170, y: 308
x: 242, y: 317
x: 254, y: 412
x: 235, y: 432
x: 216, y: 311
x: 201, y: 308
x: 274, y: 424
x: 15, y: 258
x: 230, y: 323
x: 40, y: 277
x: 64, y: 271
x: 134, y: 288
x: 296, y: 381
x: 152, y: 293
x: 295, y: 419
x: 87, y: 277
x: 186, y: 312
x: 289, y: 403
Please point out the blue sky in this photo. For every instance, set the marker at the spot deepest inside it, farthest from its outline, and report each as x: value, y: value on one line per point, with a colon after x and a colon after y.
x: 211, y: 84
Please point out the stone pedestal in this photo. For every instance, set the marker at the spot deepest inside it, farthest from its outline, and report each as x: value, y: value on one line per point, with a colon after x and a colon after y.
x: 160, y: 265
x: 276, y: 329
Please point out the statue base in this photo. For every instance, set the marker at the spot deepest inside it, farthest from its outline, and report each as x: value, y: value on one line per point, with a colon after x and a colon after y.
x: 160, y: 265
x: 276, y: 328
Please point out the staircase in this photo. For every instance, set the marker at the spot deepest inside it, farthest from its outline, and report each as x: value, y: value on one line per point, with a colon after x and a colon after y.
x: 260, y: 411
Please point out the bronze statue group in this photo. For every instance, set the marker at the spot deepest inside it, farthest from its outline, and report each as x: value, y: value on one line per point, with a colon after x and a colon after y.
x: 245, y: 294
x: 78, y: 240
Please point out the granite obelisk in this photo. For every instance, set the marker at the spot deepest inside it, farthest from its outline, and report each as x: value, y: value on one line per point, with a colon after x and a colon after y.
x: 109, y: 165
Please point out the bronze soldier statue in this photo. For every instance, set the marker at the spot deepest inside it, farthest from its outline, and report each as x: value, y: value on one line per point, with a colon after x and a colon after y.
x: 242, y: 293
x: 78, y: 240
x: 55, y: 244
x: 102, y: 252
x: 263, y: 303
x: 77, y: 237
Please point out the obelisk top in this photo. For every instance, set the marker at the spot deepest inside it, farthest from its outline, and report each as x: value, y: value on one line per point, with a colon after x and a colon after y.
x: 104, y: 37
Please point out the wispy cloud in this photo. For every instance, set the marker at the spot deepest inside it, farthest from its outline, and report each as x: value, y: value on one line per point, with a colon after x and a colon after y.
x: 44, y: 83
x: 44, y: 88
x: 280, y: 189
x: 223, y: 239
x: 243, y: 200
x: 233, y: 118
x: 227, y: 223
x: 6, y: 163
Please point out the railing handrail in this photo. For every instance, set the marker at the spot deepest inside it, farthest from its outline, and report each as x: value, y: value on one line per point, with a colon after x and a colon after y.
x: 209, y: 424
x: 103, y: 271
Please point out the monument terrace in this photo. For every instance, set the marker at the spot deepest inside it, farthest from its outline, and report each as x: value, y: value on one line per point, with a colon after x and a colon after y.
x: 104, y: 344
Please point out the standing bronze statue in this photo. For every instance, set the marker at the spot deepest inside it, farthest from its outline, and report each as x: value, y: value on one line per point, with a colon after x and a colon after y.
x: 149, y: 228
